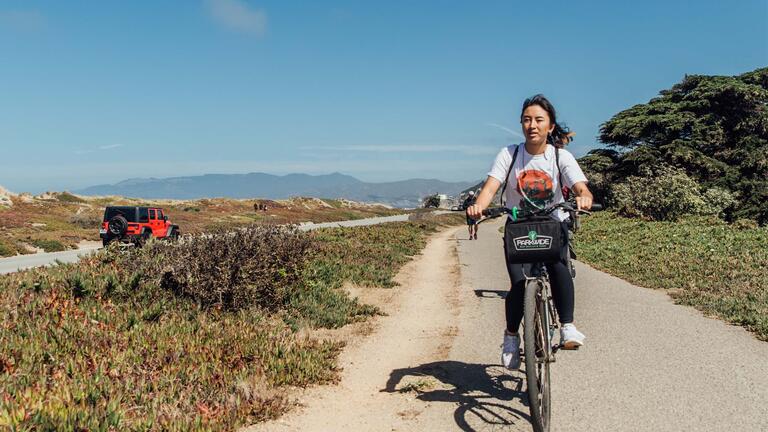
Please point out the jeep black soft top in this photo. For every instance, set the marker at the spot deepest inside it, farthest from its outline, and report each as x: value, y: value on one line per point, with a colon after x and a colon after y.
x: 131, y: 214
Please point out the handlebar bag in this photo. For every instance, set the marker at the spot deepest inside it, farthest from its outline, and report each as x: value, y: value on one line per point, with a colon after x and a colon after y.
x: 533, y: 241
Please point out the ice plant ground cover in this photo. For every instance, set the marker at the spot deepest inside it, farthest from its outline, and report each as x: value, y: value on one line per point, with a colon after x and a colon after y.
x: 170, y: 338
x: 716, y: 267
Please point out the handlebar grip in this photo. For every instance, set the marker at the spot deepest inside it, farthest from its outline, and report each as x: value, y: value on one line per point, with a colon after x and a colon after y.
x: 493, y: 212
x: 596, y: 207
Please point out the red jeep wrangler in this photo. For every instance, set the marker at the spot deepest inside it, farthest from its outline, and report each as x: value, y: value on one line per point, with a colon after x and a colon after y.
x: 136, y: 225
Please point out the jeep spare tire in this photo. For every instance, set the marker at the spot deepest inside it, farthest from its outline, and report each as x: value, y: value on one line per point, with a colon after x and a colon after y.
x: 117, y: 226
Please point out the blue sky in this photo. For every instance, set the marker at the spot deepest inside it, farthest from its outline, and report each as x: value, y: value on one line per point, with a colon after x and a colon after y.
x: 97, y: 92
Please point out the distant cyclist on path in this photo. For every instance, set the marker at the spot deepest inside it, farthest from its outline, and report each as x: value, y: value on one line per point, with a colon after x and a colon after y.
x: 471, y: 223
x: 536, y: 173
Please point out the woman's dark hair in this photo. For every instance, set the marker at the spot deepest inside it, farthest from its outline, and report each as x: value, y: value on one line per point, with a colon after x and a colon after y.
x: 561, y: 135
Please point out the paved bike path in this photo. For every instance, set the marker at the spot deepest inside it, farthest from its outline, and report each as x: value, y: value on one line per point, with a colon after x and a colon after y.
x: 21, y: 262
x: 648, y: 364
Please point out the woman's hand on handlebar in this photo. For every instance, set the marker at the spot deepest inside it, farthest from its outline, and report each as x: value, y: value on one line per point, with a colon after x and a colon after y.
x: 583, y: 196
x: 475, y: 212
x: 584, y: 202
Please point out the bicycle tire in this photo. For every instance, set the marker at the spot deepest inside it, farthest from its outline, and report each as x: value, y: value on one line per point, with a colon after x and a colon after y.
x: 537, y: 345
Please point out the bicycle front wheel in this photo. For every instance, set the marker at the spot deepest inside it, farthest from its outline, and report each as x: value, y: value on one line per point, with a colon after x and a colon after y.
x: 537, y: 347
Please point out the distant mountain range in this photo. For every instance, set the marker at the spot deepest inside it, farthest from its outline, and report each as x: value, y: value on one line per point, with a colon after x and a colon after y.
x: 405, y: 193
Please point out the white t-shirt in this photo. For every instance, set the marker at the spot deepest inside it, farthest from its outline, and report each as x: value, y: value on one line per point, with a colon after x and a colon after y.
x: 537, y: 176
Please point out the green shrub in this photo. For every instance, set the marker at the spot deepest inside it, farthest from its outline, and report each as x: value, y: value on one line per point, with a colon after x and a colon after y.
x: 229, y: 269
x: 69, y: 198
x: 6, y: 250
x: 79, y: 285
x: 716, y: 200
x: 665, y: 193
x: 87, y: 220
x: 597, y: 167
x: 49, y: 245
x: 745, y: 224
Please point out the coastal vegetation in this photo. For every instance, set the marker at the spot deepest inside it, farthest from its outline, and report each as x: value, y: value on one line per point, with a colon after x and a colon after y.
x: 205, y: 334
x: 685, y: 178
x: 718, y: 268
x: 60, y: 220
x: 700, y: 147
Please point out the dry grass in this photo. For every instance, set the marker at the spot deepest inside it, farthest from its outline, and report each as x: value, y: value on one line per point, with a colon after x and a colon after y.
x: 67, y: 219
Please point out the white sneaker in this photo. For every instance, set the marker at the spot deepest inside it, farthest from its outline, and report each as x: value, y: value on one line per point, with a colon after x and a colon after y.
x: 510, y: 351
x: 570, y: 337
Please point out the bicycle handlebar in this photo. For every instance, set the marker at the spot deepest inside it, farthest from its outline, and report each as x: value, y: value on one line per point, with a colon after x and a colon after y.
x: 494, y: 212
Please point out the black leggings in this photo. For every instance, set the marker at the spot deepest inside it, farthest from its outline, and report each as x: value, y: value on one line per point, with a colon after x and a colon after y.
x: 560, y: 280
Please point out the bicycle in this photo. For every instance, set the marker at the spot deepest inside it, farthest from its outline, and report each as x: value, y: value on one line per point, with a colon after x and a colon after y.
x: 540, y: 315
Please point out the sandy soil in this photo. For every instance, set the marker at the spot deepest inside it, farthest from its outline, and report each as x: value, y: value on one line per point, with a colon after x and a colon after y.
x: 417, y: 329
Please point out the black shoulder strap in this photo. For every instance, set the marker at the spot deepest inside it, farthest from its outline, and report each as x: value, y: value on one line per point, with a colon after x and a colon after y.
x: 559, y: 172
x: 509, y: 171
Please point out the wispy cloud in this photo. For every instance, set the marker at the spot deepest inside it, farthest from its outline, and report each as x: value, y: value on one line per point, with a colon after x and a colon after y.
x: 401, y: 148
x: 393, y: 148
x: 29, y: 20
x: 237, y: 15
x: 99, y: 148
x: 111, y: 146
x: 506, y: 129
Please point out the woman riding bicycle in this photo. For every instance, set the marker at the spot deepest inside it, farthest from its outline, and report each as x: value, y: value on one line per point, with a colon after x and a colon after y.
x: 541, y: 171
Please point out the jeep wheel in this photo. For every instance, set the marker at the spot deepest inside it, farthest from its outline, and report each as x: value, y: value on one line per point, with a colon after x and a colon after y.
x: 173, y: 234
x: 143, y: 238
x: 117, y: 226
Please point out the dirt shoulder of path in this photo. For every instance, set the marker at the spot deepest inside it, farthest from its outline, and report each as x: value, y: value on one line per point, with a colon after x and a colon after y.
x: 416, y: 329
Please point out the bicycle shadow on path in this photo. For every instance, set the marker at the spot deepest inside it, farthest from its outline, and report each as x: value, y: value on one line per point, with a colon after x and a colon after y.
x: 483, y: 393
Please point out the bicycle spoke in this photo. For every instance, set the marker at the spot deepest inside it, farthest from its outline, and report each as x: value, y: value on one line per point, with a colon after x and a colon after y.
x: 541, y: 363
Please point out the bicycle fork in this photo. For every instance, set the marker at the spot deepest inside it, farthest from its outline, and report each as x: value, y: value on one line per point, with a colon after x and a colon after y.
x: 552, y: 325
x: 545, y: 299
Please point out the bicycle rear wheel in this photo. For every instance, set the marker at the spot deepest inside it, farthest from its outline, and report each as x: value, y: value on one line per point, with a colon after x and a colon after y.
x: 537, y: 347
